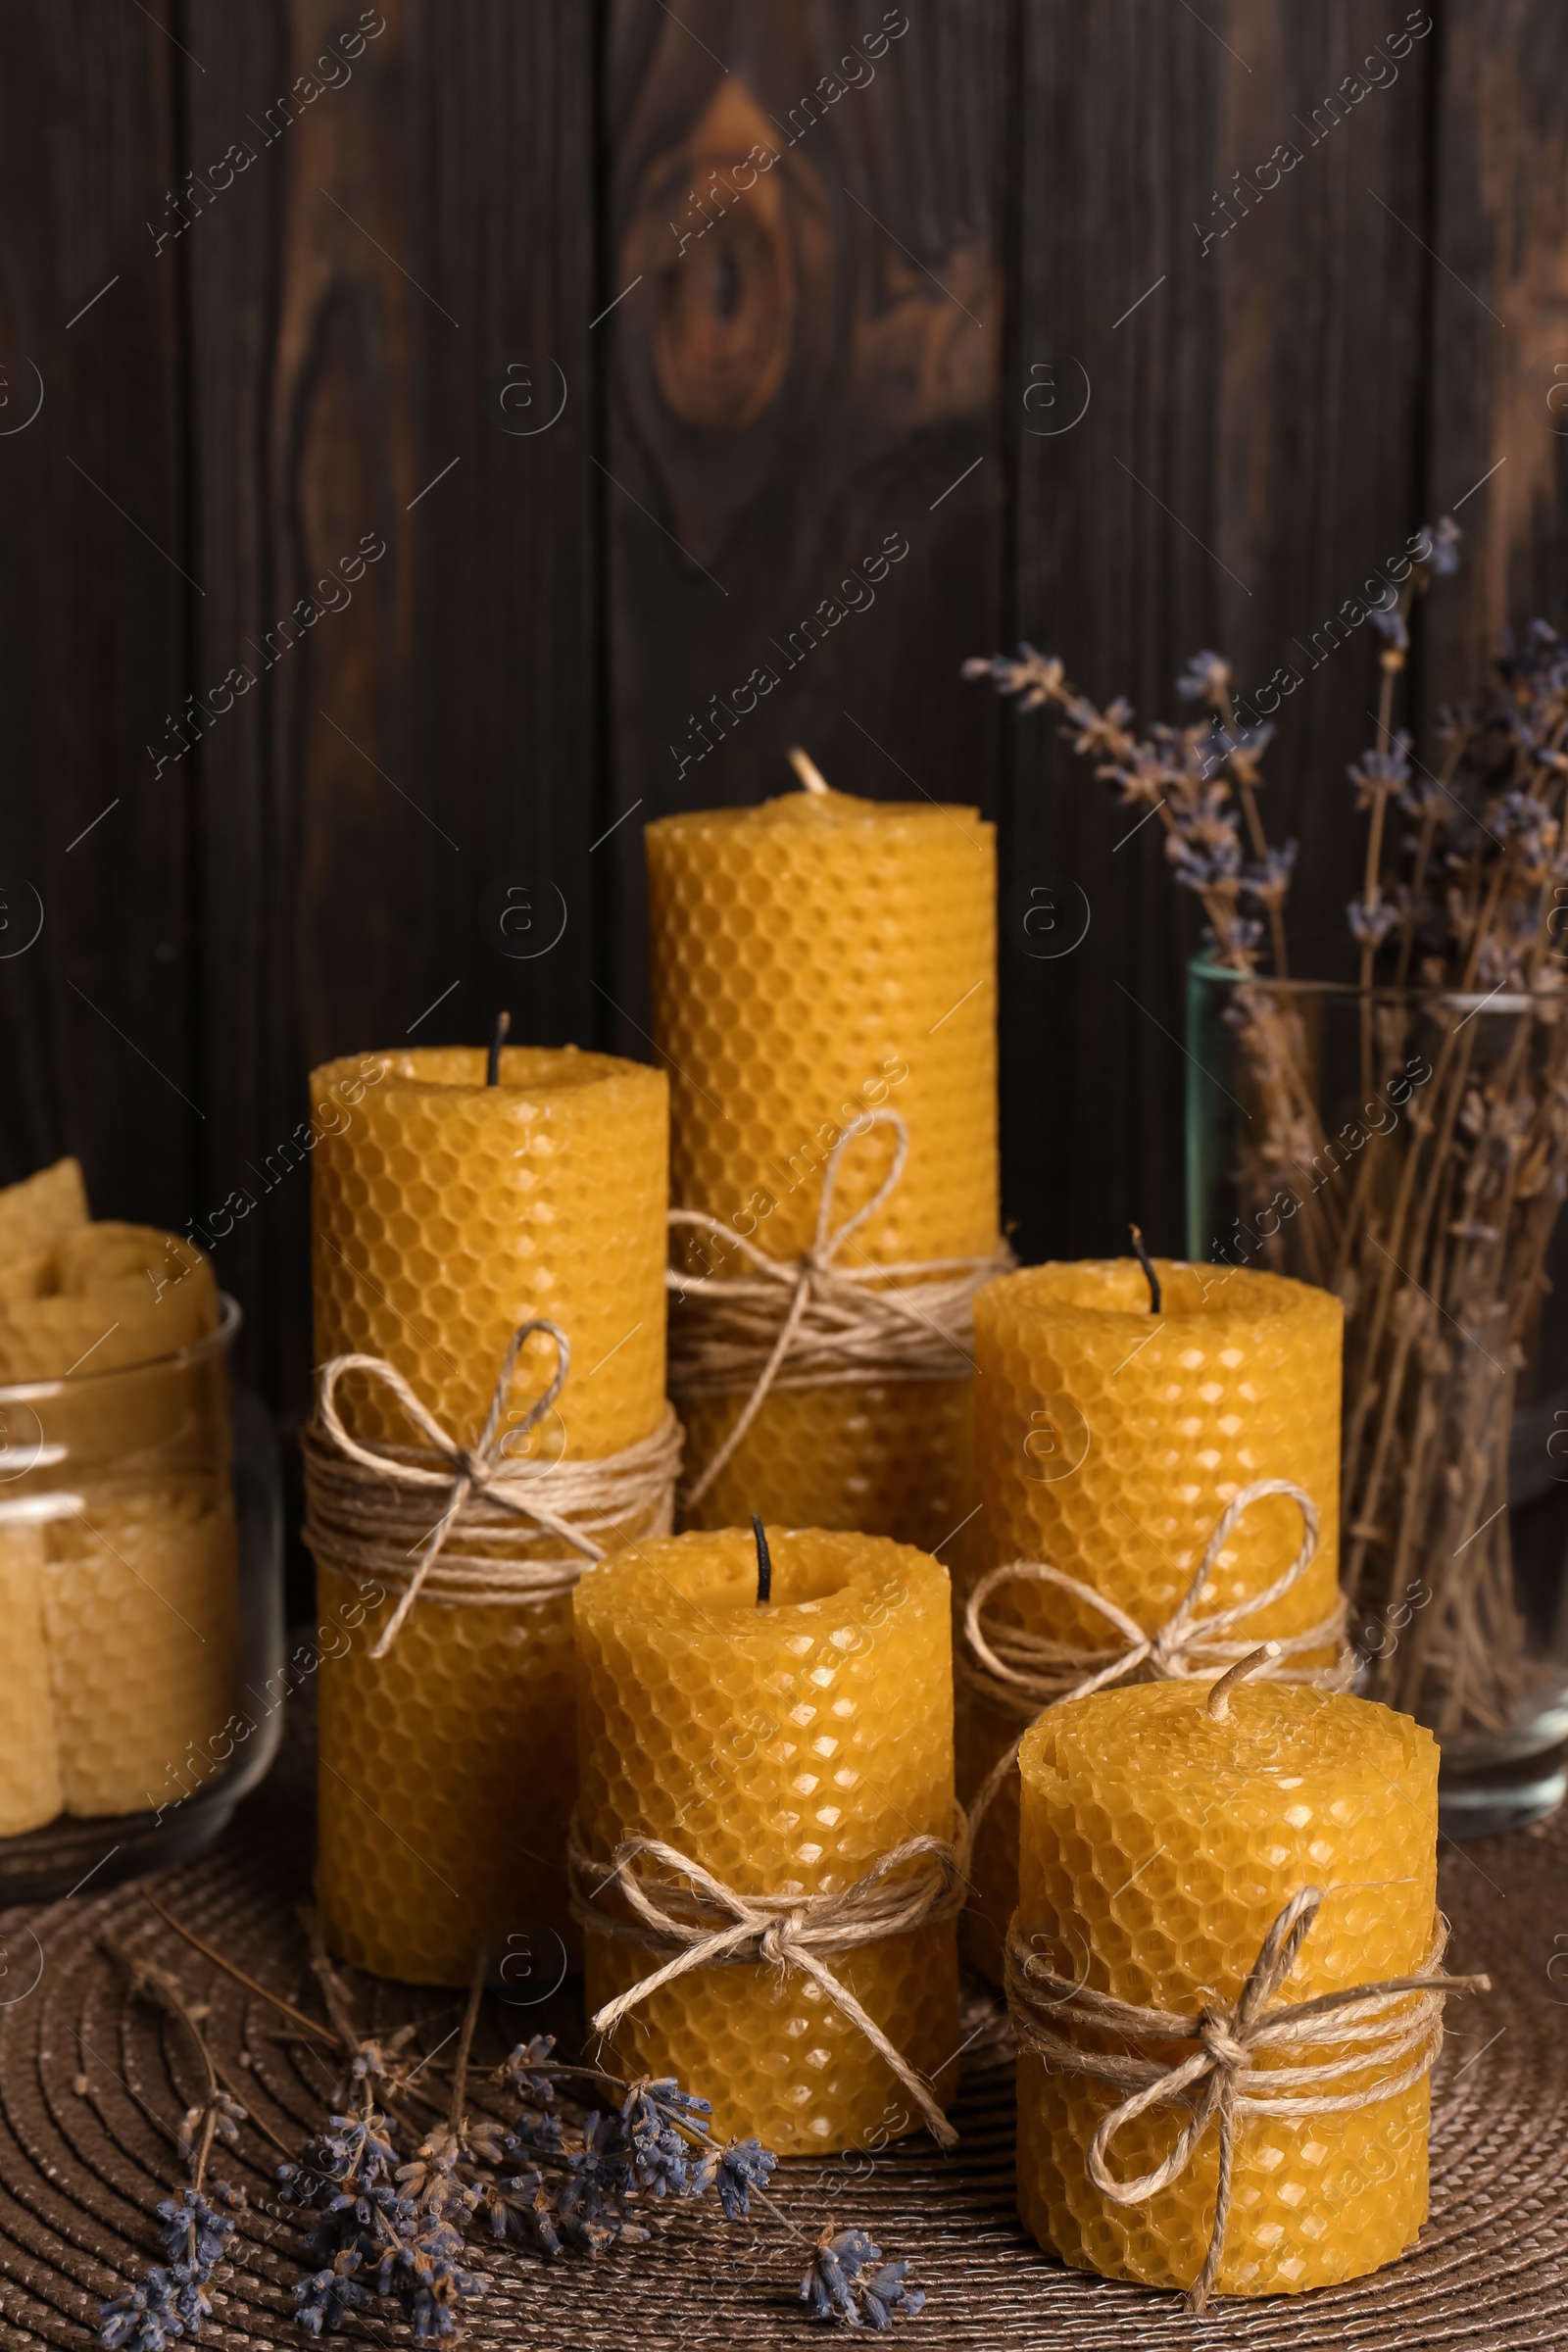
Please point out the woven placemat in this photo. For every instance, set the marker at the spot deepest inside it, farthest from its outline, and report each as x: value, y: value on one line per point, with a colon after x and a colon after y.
x: 91, y: 2081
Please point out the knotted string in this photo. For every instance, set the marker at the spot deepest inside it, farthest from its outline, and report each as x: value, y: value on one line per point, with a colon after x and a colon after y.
x: 484, y: 1487
x: 1219, y: 2081
x: 1025, y: 1673
x: 701, y: 1922
x: 809, y: 1322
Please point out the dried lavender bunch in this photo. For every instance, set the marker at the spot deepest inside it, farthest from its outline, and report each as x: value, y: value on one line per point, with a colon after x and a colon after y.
x: 1429, y: 1208
x: 1189, y: 774
x: 578, y: 2159
x: 1205, y: 779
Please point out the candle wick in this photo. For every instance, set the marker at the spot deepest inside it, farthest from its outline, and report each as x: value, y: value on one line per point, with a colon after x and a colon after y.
x: 807, y: 769
x: 492, y: 1070
x: 1219, y: 1698
x: 764, y: 1563
x: 1141, y: 1252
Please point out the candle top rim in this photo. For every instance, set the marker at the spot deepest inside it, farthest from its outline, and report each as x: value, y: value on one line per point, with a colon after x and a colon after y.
x: 830, y: 812
x: 1203, y: 1296
x: 460, y: 1070
x: 1272, y: 1732
x: 704, y: 1582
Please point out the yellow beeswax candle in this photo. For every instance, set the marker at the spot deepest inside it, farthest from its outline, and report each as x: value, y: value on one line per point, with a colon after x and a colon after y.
x: 1158, y: 1847
x: 446, y: 1214
x: 1108, y: 1443
x: 783, y: 1746
x: 813, y: 958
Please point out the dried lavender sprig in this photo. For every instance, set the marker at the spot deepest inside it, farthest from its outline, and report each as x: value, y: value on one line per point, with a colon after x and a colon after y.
x: 170, y: 2300
x: 380, y: 2227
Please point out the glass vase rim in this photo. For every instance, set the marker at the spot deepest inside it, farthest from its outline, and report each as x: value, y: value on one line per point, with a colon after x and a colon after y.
x: 1380, y: 993
x: 230, y: 1315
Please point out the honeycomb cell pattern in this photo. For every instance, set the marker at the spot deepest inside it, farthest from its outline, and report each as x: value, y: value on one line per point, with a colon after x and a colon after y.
x: 1158, y: 1847
x: 782, y: 1746
x: 29, y: 1763
x: 1108, y: 1443
x: 447, y: 1771
x: 141, y: 1599
x: 813, y: 959
x: 896, y: 1457
x: 446, y: 1214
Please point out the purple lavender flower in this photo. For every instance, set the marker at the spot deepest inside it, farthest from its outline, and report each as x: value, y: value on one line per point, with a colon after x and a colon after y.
x: 836, y: 2286
x: 1370, y: 926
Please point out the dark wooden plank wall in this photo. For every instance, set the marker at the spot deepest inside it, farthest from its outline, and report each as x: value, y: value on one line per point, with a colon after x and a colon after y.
x: 886, y: 332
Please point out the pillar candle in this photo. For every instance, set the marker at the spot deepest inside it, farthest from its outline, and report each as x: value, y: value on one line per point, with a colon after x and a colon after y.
x: 813, y: 958
x: 447, y: 1213
x: 1157, y: 1847
x: 784, y: 1746
x: 1110, y: 1441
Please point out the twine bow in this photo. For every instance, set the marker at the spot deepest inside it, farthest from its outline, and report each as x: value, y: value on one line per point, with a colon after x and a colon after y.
x: 1220, y: 2081
x: 1027, y: 1673
x: 701, y: 1922
x: 487, y: 1473
x: 808, y: 1321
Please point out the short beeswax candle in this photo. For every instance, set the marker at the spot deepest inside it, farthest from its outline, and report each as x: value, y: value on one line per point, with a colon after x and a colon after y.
x: 814, y: 958
x: 783, y: 1746
x: 1159, y: 1845
x: 446, y: 1214
x: 1110, y: 1441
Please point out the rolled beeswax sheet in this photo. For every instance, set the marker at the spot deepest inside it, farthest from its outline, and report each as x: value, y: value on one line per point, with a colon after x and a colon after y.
x: 29, y: 1768
x: 140, y: 1609
x: 41, y: 1210
x: 122, y: 1295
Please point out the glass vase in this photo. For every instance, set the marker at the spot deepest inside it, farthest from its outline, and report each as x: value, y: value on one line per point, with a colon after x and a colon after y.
x: 141, y: 1583
x: 1409, y: 1150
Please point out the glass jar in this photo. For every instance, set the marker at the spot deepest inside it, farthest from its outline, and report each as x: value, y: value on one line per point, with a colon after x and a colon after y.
x: 141, y: 1583
x: 1408, y: 1148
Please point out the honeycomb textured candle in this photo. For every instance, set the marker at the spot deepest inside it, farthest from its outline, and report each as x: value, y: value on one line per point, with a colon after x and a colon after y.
x: 1108, y: 1443
x: 784, y: 1747
x: 1158, y: 1847
x: 446, y: 1214
x: 813, y: 958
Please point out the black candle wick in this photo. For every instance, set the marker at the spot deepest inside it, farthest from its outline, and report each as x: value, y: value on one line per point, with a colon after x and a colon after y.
x: 492, y: 1070
x: 1147, y: 1264
x: 764, y: 1563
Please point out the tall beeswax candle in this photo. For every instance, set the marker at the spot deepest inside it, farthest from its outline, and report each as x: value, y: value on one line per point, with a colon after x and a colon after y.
x: 1108, y: 1443
x: 1158, y: 1847
x: 783, y: 1746
x: 446, y: 1214
x: 813, y: 958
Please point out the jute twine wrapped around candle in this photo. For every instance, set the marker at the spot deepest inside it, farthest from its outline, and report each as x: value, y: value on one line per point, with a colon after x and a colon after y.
x: 697, y: 1921
x: 809, y: 1322
x: 368, y: 1508
x: 1023, y: 1673
x: 1397, y: 2024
